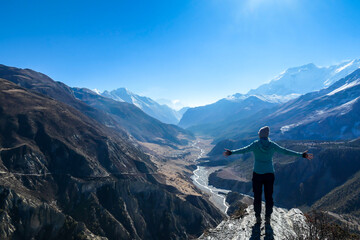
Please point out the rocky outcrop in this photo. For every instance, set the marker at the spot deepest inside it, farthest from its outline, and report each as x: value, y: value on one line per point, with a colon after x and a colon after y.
x: 285, y: 224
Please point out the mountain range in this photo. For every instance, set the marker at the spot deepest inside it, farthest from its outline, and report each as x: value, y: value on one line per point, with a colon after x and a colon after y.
x: 71, y: 164
x: 335, y: 105
x: 72, y: 171
x: 306, y: 78
x: 159, y: 111
x: 140, y: 125
x: 238, y: 106
x: 120, y: 116
x: 309, y: 116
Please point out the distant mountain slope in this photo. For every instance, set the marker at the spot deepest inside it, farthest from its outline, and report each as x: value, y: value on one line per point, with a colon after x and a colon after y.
x: 235, y: 107
x: 40, y: 83
x: 161, y: 112
x: 212, y: 119
x: 66, y: 176
x: 140, y: 125
x: 331, y: 113
x: 134, y: 125
x: 306, y: 78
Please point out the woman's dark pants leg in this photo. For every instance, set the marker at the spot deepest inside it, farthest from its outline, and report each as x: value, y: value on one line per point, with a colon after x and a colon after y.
x: 258, y: 181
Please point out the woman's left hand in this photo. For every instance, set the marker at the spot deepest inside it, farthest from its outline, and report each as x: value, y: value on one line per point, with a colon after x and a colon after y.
x: 307, y: 155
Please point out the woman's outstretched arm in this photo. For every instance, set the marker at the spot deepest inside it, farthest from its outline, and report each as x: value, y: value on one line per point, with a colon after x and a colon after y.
x: 246, y: 149
x: 291, y: 152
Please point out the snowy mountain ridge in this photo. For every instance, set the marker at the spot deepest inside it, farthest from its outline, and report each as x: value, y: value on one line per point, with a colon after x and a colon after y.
x: 273, y: 98
x: 335, y: 102
x: 161, y: 112
x: 306, y: 78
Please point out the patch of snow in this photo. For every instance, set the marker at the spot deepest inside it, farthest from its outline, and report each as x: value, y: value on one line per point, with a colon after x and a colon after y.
x: 135, y: 101
x: 286, y: 128
x: 345, y: 86
x: 237, y: 97
x: 344, y: 108
x: 278, y: 77
x: 320, y: 112
x: 345, y: 66
x: 273, y: 98
x: 278, y: 98
x: 97, y: 91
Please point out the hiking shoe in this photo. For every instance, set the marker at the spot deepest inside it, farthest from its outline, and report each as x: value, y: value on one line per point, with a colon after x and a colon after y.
x: 267, y: 219
x: 258, y: 219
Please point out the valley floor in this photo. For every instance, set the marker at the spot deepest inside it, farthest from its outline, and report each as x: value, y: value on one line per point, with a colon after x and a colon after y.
x: 176, y: 166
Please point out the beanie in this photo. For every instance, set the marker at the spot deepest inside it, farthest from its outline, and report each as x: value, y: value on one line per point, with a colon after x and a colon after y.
x: 264, y: 132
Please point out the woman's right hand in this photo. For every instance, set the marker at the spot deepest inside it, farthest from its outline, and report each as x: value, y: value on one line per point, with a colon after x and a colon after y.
x: 227, y: 152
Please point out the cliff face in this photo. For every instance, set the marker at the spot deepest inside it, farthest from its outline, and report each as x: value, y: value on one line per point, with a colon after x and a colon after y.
x: 63, y: 175
x: 22, y: 217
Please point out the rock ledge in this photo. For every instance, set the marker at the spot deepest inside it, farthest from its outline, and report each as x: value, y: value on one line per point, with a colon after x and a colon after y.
x: 285, y: 224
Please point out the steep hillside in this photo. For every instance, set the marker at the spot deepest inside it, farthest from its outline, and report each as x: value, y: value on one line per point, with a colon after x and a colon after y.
x: 64, y: 175
x: 310, y: 116
x: 306, y: 78
x: 136, y: 122
x: 129, y: 119
x: 235, y: 107
x: 152, y: 108
x: 344, y: 199
x: 225, y: 114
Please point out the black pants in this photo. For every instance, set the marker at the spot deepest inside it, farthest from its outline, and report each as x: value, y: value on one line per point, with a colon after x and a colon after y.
x: 258, y: 181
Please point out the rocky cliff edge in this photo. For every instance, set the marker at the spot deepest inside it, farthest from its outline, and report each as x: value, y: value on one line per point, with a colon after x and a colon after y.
x: 285, y: 224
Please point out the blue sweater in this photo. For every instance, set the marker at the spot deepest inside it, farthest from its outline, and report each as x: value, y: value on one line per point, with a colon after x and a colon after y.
x: 264, y: 150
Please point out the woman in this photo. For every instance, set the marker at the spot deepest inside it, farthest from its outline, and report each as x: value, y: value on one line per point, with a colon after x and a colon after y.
x: 263, y: 173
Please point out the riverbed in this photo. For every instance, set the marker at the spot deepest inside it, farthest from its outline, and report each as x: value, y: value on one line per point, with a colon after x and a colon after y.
x: 217, y: 196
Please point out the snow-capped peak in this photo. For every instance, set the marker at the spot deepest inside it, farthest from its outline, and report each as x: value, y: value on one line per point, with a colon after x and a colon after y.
x: 98, y: 92
x: 306, y: 78
x: 149, y: 106
x: 273, y: 98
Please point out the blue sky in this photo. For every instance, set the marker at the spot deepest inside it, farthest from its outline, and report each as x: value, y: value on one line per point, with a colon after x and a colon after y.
x: 193, y: 51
